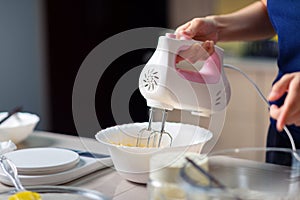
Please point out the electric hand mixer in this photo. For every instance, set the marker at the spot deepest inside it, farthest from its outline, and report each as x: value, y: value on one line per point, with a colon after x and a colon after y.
x: 167, y: 87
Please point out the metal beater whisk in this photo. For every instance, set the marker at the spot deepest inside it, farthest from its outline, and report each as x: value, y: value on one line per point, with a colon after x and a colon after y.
x: 145, y: 132
x: 154, y: 138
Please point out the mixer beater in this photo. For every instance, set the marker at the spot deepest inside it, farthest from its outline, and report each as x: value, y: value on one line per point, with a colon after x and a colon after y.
x: 145, y: 131
x: 154, y: 137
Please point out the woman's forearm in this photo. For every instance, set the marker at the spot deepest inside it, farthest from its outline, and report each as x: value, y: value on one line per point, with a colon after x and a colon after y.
x: 250, y: 23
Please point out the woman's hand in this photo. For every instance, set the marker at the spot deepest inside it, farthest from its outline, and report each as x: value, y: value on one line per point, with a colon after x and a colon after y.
x: 289, y: 112
x: 201, y: 29
x: 196, y: 52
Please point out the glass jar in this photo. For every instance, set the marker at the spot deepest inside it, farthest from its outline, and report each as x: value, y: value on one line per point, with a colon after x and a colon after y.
x: 165, y: 174
x: 161, y: 190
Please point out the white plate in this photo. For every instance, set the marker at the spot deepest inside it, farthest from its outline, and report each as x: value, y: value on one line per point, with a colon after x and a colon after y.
x: 85, y: 166
x: 43, y: 160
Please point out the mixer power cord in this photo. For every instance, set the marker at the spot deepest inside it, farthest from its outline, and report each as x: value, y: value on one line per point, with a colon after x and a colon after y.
x: 267, y: 102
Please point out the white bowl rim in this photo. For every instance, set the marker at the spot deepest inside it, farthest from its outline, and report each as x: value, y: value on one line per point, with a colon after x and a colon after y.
x: 209, y: 136
x: 33, y: 119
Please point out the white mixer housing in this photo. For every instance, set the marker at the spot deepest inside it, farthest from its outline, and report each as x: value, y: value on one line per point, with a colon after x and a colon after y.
x: 165, y: 86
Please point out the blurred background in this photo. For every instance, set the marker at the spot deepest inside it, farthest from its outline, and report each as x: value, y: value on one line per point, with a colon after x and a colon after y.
x: 43, y: 43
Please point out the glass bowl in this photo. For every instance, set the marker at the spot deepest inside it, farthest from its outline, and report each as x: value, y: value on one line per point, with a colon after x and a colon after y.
x: 247, y: 173
x: 60, y: 192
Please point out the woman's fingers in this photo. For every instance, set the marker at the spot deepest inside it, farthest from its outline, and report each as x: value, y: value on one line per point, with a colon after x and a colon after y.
x: 181, y: 30
x: 280, y: 87
x: 197, y: 52
x: 289, y: 112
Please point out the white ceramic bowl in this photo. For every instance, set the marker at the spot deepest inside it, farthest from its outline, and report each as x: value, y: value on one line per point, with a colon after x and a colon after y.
x: 18, y: 127
x: 133, y: 162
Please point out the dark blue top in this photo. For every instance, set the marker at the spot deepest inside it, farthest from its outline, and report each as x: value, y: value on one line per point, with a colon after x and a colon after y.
x: 285, y: 17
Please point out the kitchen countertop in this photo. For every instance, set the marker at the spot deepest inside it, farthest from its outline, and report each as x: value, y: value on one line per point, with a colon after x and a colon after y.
x: 110, y: 183
x: 106, y: 181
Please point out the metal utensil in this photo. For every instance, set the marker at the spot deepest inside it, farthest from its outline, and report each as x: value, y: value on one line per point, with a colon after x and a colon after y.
x: 11, y: 171
x: 154, y: 137
x: 211, y: 178
x: 145, y: 132
x: 157, y: 136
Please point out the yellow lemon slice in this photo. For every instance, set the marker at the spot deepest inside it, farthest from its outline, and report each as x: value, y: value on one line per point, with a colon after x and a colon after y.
x: 25, y: 195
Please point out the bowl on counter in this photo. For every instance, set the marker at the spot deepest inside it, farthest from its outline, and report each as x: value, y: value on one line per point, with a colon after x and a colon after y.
x: 248, y: 174
x: 18, y: 127
x: 133, y: 162
x: 59, y: 192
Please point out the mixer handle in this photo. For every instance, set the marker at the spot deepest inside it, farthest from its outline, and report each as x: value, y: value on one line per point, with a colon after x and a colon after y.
x: 210, y: 73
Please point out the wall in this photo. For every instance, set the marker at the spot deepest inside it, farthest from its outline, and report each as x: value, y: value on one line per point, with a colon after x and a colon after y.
x: 180, y: 11
x: 22, y: 60
x: 247, y: 116
x: 227, y: 6
x: 74, y: 31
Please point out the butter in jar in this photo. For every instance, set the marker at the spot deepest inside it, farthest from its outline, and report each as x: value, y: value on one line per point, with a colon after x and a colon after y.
x: 165, y: 174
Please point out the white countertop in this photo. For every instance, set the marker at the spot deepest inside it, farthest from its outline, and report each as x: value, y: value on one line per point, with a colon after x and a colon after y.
x: 106, y: 181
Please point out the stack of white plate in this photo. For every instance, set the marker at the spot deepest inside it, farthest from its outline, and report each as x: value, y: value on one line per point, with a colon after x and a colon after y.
x: 43, y: 166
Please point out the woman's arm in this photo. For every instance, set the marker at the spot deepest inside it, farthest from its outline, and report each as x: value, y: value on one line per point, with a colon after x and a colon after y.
x: 250, y: 23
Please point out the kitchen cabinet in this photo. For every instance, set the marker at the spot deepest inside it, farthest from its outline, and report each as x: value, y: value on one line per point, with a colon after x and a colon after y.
x: 247, y: 117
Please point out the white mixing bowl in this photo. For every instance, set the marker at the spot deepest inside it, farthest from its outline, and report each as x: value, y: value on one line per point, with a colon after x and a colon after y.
x: 132, y: 162
x: 18, y: 127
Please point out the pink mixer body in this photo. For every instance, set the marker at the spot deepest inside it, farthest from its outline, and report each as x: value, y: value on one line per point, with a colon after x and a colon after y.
x: 166, y: 86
